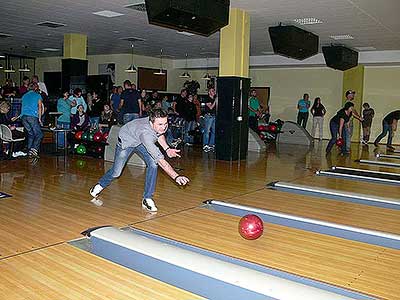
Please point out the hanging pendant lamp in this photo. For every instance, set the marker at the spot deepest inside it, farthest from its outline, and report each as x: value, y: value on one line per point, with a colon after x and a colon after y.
x: 186, y: 73
x: 161, y: 71
x: 131, y: 68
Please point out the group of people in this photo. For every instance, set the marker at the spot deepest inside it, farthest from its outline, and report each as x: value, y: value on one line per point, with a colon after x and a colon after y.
x: 341, y: 125
x: 318, y: 112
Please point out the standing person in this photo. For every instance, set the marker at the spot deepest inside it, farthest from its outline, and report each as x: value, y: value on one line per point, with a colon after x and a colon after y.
x: 338, y: 123
x: 389, y: 125
x: 318, y: 111
x: 209, y: 122
x: 303, y: 105
x: 31, y: 113
x: 179, y: 103
x: 140, y: 136
x: 368, y: 114
x: 95, y: 109
x: 115, y: 98
x: 130, y: 105
x: 254, y: 111
x: 24, y: 87
x: 77, y: 100
x: 108, y: 118
x: 41, y: 85
x: 348, y: 133
x: 190, y: 120
x: 63, y: 121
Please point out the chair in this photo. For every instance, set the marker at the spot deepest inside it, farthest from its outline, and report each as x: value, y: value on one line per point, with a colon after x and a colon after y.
x: 6, y: 136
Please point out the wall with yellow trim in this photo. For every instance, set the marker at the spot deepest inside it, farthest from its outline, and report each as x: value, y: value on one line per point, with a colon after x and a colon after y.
x: 288, y: 86
x: 382, y: 92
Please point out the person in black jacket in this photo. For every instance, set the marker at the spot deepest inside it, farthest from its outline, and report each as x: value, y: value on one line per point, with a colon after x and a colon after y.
x: 190, y: 120
x: 95, y: 109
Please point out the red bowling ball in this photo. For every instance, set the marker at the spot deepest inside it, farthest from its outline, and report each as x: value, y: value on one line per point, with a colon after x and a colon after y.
x: 78, y: 135
x: 273, y: 128
x: 98, y: 137
x: 105, y: 136
x: 251, y: 227
x: 262, y: 128
x: 339, y: 142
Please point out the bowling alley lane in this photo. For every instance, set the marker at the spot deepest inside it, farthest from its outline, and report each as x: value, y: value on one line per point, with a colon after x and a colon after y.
x: 311, y: 255
x: 354, y: 186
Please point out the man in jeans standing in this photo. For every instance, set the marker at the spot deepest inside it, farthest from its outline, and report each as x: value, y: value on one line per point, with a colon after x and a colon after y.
x: 303, y: 105
x: 130, y: 104
x: 31, y: 113
x: 209, y: 122
x: 140, y: 136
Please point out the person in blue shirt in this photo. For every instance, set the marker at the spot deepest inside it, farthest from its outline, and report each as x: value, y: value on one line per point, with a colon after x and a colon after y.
x: 31, y: 113
x: 303, y: 105
x: 77, y: 100
x: 64, y: 105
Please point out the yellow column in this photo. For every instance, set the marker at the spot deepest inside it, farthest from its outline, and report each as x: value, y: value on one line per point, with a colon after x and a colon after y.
x: 75, y: 46
x: 235, y: 45
x: 353, y: 79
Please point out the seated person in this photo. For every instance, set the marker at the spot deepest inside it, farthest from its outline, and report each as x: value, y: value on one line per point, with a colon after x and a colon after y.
x: 80, y: 120
x: 108, y: 118
x: 6, y: 119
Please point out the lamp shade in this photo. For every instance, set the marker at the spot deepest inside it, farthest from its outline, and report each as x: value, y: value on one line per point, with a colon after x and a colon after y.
x: 131, y: 69
x: 185, y: 75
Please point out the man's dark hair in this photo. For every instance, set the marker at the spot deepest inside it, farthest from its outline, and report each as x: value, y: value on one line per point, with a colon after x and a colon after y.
x: 157, y: 113
x: 348, y: 105
x: 127, y: 82
x: 77, y: 90
x: 25, y: 78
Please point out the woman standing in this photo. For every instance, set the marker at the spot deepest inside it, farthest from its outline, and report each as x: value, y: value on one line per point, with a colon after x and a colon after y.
x: 318, y: 111
x: 338, y: 123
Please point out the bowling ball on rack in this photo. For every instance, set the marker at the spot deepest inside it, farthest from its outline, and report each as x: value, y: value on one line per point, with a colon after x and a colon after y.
x: 273, y: 128
x: 91, y: 136
x: 85, y: 136
x: 262, y: 127
x: 98, y: 137
x: 262, y: 136
x: 81, y: 149
x: 105, y: 136
x: 251, y: 227
x: 78, y: 135
x: 340, y: 142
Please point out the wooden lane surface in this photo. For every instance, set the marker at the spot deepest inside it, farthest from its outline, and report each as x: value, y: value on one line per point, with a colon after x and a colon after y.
x: 341, y: 212
x: 354, y: 186
x: 51, y: 203
x: 329, y: 259
x: 65, y: 272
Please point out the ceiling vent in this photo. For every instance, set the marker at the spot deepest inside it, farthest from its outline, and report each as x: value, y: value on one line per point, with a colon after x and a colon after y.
x: 137, y: 5
x: 50, y: 24
x: 132, y: 39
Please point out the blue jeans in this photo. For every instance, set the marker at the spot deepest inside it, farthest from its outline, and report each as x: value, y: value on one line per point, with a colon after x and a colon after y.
x: 94, y: 122
x: 334, y: 128
x: 209, y: 130
x: 35, y: 134
x: 347, y: 134
x: 386, y: 128
x: 189, y: 126
x: 129, y: 117
x: 60, y: 135
x: 120, y: 159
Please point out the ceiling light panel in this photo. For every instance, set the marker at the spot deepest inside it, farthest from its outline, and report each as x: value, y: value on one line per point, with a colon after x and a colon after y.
x: 308, y: 21
x: 108, y: 14
x: 5, y: 35
x: 342, y: 37
x: 51, y: 24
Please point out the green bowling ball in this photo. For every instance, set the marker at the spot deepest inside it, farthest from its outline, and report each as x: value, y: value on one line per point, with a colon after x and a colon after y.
x: 81, y: 149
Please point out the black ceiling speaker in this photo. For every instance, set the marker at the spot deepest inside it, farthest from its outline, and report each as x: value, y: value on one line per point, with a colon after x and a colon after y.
x: 340, y: 57
x: 293, y: 42
x: 203, y: 17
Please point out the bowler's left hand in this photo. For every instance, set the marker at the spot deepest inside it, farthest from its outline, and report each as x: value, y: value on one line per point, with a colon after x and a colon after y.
x: 173, y: 152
